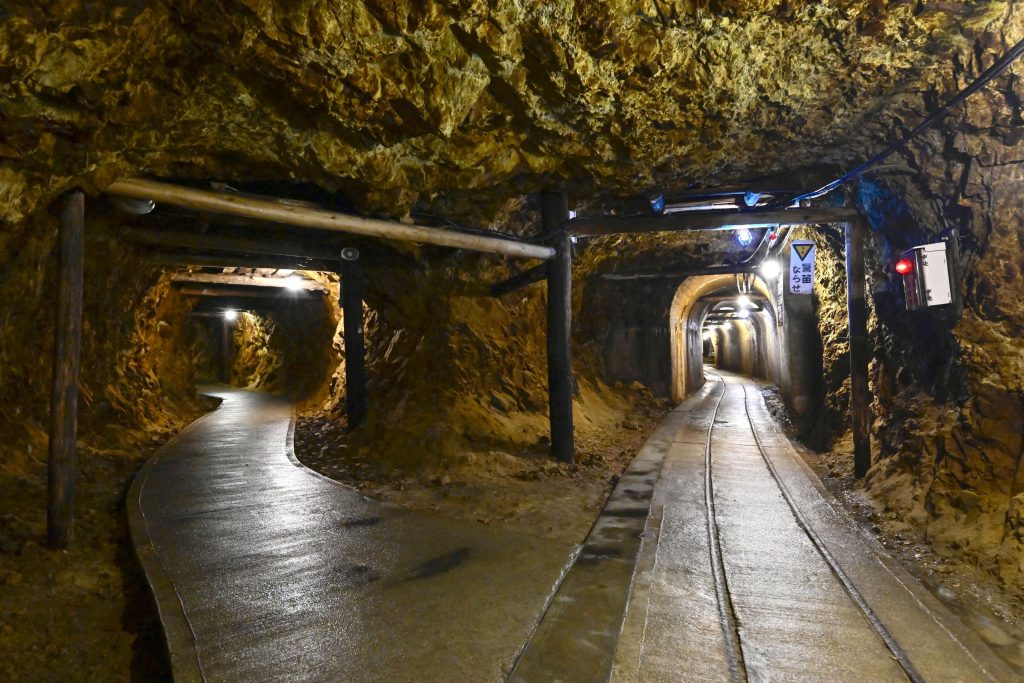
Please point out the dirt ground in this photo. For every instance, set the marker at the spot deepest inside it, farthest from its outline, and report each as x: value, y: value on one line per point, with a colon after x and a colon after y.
x: 522, y: 491
x: 84, y: 614
x: 973, y: 595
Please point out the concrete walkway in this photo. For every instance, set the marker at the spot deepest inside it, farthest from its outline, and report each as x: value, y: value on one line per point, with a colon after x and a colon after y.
x: 793, y: 590
x: 263, y: 570
x: 780, y: 586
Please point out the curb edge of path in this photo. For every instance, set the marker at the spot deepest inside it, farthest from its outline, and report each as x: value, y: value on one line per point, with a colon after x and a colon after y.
x: 178, y: 635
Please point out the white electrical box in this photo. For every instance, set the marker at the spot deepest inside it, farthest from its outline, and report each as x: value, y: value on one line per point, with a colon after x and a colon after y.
x: 926, y: 276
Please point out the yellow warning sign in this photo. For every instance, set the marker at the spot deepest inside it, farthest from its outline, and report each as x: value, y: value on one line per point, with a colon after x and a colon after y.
x: 803, y: 250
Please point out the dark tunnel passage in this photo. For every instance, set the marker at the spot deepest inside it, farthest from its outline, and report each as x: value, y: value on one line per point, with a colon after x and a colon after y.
x: 281, y: 342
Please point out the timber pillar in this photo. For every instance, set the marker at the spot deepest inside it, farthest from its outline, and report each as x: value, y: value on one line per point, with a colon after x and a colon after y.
x: 355, y: 346
x: 860, y: 398
x: 67, y: 352
x: 554, y: 213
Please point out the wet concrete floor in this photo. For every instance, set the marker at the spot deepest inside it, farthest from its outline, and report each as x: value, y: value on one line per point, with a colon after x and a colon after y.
x: 263, y: 570
x: 795, y: 569
x: 750, y: 573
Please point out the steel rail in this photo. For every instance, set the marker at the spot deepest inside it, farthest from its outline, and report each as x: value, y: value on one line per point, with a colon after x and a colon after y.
x: 726, y: 610
x: 851, y: 590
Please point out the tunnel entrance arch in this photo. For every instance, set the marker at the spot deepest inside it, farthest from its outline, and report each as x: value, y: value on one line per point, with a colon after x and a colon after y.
x: 750, y: 345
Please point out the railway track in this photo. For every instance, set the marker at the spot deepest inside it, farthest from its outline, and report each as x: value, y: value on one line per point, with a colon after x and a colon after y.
x: 730, y: 622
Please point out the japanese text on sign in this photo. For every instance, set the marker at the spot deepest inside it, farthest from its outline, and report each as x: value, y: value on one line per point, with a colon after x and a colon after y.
x: 801, y: 267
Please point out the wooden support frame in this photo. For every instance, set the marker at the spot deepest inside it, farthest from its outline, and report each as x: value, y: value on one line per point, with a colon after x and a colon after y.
x: 673, y: 274
x: 561, y: 385
x: 708, y: 220
x: 520, y: 280
x: 67, y: 352
x: 257, y: 282
x: 355, y: 344
x: 860, y: 397
x: 230, y: 244
x: 302, y: 216
x: 268, y: 261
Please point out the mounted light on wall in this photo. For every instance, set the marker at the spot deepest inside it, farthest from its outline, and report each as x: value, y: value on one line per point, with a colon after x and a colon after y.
x: 770, y: 269
x: 293, y: 283
x: 744, y: 236
x: 751, y: 198
x: 743, y: 301
x: 744, y: 313
x: 230, y: 315
x: 904, y: 266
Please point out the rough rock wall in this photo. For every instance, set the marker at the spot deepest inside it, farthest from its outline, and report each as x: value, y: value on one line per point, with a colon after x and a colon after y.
x: 459, y: 105
x: 136, y: 359
x: 289, y: 350
x: 949, y: 391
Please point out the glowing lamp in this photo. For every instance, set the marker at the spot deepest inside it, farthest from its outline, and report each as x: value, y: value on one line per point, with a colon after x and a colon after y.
x: 293, y: 283
x: 744, y: 313
x: 770, y: 269
x: 744, y: 236
x: 904, y: 266
x: 230, y: 315
x: 743, y: 301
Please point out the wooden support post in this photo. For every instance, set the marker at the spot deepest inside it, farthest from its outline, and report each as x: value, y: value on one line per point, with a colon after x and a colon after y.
x: 227, y: 348
x: 67, y: 350
x: 355, y: 350
x: 860, y: 400
x: 554, y: 212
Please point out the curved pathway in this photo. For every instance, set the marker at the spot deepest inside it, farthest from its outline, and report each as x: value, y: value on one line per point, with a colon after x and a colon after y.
x: 264, y: 570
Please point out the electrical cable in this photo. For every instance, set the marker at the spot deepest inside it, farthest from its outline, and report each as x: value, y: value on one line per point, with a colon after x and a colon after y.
x: 997, y: 68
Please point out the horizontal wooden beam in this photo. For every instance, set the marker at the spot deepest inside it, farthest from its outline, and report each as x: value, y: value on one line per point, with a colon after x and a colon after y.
x: 222, y: 243
x: 240, y: 292
x: 181, y: 258
x: 520, y: 280
x: 301, y: 216
x: 673, y: 274
x: 293, y: 283
x: 708, y: 220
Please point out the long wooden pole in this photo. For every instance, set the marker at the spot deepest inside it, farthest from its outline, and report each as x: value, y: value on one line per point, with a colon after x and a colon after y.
x: 355, y: 347
x: 261, y: 209
x: 860, y: 399
x: 554, y: 211
x: 67, y: 351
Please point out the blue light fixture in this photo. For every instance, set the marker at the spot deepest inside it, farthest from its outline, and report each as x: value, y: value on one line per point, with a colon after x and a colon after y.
x: 744, y: 236
x: 658, y: 204
x: 751, y: 198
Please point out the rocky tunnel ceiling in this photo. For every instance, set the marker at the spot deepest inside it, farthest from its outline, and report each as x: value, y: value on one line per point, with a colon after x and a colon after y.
x: 460, y: 105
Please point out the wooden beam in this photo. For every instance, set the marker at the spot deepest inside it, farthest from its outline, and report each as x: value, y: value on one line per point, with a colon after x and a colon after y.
x: 264, y: 293
x: 301, y: 216
x: 180, y: 258
x: 860, y: 398
x: 520, y: 280
x: 554, y: 212
x: 708, y: 220
x: 673, y: 274
x: 355, y: 347
x: 228, y: 244
x: 67, y: 353
x: 296, y: 284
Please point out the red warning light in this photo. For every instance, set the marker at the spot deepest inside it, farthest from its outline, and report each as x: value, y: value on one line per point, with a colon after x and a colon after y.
x: 904, y: 266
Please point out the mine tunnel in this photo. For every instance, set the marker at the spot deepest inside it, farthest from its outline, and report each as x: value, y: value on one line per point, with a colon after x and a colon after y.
x: 511, y: 341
